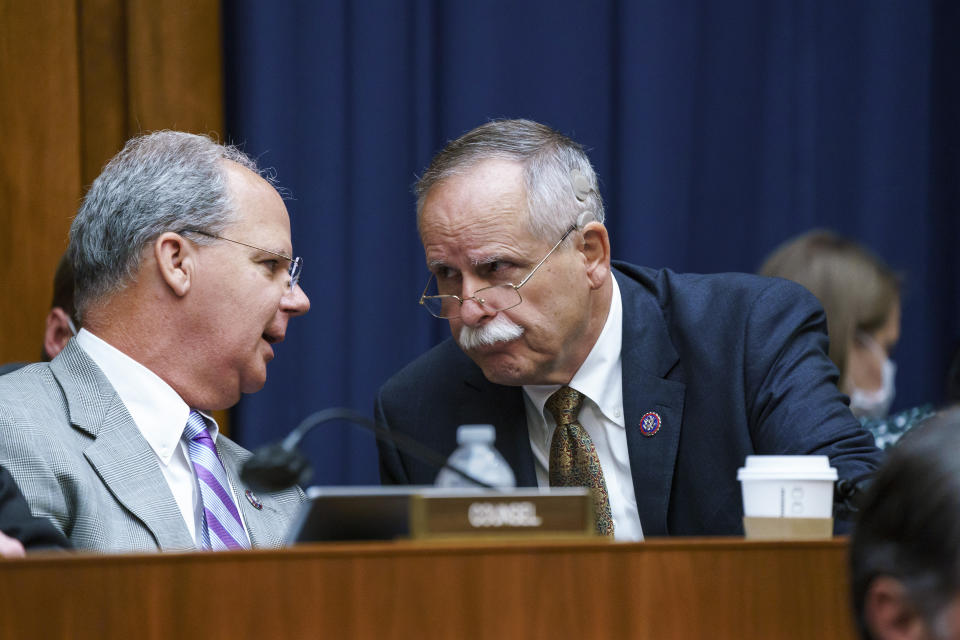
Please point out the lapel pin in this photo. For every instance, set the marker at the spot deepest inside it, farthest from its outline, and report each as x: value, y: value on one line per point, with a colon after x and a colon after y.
x: 254, y: 500
x: 650, y: 423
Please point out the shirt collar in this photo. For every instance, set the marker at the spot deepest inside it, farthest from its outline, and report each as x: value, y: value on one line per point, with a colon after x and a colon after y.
x: 598, y: 378
x: 158, y: 411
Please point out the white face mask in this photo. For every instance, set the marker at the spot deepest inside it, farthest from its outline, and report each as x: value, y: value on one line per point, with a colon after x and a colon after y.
x: 875, y: 404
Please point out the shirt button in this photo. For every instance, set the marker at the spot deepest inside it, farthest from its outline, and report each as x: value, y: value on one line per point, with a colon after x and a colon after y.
x: 617, y: 413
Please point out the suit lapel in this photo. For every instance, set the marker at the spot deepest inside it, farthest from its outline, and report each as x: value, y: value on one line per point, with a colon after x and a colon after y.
x: 265, y: 526
x: 119, y: 454
x: 503, y: 407
x: 647, y: 356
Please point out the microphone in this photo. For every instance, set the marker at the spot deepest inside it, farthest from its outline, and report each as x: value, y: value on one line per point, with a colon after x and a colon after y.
x: 849, y: 493
x: 281, y: 465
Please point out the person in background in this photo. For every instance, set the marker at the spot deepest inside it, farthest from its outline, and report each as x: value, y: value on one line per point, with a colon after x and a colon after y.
x: 648, y: 386
x: 861, y: 297
x: 905, y: 547
x: 184, y: 282
x: 60, y: 324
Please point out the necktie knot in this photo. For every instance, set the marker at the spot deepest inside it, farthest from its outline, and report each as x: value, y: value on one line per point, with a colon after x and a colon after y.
x: 196, y: 429
x: 564, y: 405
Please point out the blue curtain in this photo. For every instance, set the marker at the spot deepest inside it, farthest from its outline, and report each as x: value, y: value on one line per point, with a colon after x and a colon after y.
x: 718, y: 129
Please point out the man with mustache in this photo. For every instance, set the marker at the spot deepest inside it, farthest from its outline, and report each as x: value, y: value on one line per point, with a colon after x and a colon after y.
x: 649, y: 386
x: 184, y: 281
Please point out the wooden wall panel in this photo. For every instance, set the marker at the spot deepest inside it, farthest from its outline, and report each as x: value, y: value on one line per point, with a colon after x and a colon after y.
x: 77, y: 79
x: 175, y: 71
x: 103, y: 90
x: 147, y: 66
x: 40, y: 163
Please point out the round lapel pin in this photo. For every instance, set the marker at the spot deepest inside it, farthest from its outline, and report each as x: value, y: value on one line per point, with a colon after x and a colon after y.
x: 254, y: 500
x: 650, y: 423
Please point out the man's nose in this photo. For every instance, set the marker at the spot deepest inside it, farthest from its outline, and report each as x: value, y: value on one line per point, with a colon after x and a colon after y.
x: 294, y: 301
x: 472, y: 312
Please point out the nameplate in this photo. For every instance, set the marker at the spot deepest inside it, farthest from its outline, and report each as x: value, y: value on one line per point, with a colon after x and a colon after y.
x: 788, y: 528
x: 517, y: 513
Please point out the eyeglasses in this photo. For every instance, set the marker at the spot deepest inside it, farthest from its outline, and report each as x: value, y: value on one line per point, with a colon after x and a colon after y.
x: 498, y: 297
x: 296, y: 264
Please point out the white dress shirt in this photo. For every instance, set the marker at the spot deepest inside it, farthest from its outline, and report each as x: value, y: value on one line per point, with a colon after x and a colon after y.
x: 161, y: 416
x: 600, y: 380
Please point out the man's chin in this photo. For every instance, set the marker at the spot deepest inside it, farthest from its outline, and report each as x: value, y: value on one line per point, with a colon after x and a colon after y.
x: 254, y: 381
x: 251, y: 387
x: 505, y: 377
x: 499, y: 367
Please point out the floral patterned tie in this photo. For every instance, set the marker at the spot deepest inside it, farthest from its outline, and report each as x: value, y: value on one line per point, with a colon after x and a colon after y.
x: 573, y: 457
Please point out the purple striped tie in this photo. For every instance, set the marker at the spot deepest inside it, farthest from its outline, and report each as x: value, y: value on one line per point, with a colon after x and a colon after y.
x: 224, y: 528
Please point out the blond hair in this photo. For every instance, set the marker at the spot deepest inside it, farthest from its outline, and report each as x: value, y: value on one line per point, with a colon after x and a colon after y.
x: 857, y: 289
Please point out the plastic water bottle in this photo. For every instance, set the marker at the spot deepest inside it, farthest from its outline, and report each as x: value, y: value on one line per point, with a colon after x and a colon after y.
x: 476, y: 456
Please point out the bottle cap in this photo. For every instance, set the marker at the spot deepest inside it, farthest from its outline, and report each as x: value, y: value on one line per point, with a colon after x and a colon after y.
x: 476, y: 434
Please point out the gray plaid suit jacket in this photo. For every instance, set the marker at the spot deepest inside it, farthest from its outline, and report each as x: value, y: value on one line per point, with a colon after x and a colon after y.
x: 81, y: 462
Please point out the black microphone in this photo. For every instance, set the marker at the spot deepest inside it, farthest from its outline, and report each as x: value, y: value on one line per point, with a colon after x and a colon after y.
x: 848, y: 495
x: 281, y: 465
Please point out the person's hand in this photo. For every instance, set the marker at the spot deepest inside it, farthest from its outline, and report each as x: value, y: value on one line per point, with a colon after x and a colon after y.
x: 10, y: 547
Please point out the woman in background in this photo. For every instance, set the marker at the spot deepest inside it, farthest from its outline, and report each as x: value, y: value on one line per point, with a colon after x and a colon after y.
x: 861, y: 297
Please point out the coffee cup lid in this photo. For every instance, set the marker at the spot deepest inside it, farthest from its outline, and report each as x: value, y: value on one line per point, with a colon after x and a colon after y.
x: 775, y: 467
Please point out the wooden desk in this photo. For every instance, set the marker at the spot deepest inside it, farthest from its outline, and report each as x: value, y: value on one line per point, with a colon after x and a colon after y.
x: 664, y: 589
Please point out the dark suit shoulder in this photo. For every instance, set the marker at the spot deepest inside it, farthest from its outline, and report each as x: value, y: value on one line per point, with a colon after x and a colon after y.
x: 711, y: 291
x: 715, y: 308
x: 445, y: 365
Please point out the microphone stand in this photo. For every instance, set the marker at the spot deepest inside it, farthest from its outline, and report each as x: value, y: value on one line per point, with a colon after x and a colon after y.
x: 281, y: 465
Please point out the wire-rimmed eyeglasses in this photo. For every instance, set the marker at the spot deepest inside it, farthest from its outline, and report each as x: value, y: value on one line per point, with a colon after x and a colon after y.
x: 296, y: 263
x: 498, y: 297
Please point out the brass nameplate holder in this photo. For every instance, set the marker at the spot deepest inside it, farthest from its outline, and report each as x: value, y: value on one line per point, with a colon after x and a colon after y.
x: 515, y: 513
x: 788, y: 528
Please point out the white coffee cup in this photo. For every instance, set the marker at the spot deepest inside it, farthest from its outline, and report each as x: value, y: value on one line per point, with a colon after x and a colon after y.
x: 787, y: 486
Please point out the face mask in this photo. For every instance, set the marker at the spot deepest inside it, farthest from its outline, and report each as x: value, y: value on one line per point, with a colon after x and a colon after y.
x: 875, y: 404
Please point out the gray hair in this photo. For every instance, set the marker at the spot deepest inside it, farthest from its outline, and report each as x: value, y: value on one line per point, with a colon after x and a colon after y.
x: 559, y: 179
x: 163, y: 181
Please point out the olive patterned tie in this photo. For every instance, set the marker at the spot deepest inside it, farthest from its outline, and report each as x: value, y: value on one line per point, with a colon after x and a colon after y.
x: 573, y: 457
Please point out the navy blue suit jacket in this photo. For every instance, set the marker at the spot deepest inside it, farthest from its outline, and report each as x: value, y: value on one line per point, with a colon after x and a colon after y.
x: 734, y: 364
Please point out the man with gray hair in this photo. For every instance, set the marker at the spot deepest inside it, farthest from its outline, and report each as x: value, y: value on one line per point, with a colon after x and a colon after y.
x: 185, y: 280
x: 648, y: 386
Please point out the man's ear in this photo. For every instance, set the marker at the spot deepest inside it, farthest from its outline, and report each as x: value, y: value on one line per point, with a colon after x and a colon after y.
x: 57, y: 333
x: 595, y: 247
x: 888, y: 612
x: 176, y: 261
